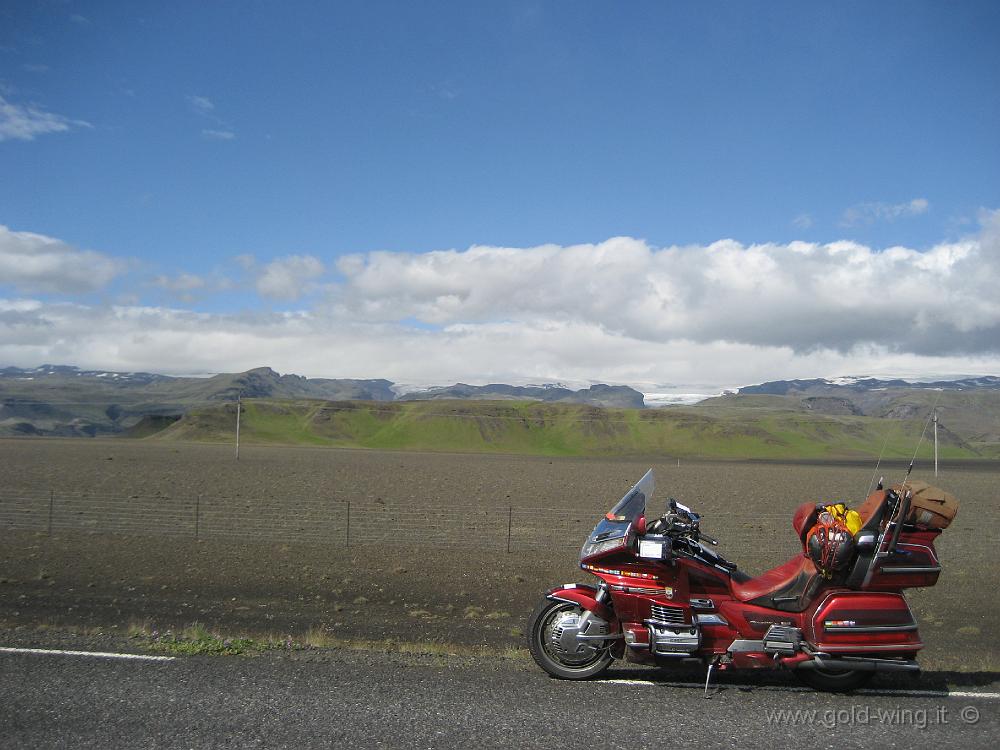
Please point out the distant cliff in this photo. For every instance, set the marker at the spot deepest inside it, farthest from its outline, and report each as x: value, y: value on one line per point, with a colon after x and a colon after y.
x: 65, y: 401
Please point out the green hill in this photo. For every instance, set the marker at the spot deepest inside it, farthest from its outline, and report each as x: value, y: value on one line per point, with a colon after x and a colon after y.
x: 970, y: 418
x: 766, y: 430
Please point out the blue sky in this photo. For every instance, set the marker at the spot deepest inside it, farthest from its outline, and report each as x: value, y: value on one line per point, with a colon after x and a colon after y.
x: 241, y: 161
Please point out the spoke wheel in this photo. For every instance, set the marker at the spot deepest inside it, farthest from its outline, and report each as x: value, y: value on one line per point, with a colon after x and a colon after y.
x: 554, y: 647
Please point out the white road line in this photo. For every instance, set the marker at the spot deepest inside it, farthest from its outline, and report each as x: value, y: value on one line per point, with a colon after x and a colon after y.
x: 96, y: 654
x: 796, y: 689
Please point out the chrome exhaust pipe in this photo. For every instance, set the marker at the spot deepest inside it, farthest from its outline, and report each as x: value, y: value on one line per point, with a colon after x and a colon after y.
x: 860, y: 664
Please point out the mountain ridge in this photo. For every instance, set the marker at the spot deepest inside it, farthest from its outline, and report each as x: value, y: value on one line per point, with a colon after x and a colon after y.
x: 63, y: 400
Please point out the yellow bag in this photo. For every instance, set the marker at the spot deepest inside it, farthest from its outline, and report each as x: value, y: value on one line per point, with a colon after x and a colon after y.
x: 849, y: 518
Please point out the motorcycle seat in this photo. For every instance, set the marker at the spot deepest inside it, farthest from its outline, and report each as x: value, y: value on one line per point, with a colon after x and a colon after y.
x: 789, y: 587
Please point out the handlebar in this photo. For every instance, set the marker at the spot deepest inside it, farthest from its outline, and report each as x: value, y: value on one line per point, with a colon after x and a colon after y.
x: 681, y: 523
x: 711, y: 540
x: 684, y: 527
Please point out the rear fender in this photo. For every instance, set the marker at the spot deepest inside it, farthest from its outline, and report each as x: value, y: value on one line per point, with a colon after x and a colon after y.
x: 585, y: 597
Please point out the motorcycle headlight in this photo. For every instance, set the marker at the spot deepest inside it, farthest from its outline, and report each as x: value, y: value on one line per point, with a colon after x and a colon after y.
x: 599, y: 548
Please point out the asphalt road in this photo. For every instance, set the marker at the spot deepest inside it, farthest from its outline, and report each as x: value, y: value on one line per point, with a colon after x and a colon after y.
x: 358, y: 699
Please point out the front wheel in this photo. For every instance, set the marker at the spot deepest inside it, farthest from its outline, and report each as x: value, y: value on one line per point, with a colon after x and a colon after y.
x: 834, y: 680
x: 552, y: 640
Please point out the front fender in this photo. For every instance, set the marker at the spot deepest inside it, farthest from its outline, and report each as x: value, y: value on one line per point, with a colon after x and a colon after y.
x: 586, y: 597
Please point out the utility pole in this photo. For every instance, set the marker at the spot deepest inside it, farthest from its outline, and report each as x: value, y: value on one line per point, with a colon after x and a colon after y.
x: 239, y: 406
x: 935, y: 443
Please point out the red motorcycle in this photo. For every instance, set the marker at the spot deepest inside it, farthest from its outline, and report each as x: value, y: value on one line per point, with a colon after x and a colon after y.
x: 665, y: 598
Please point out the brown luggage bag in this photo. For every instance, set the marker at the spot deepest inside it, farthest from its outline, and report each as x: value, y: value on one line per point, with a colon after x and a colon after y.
x: 930, y: 507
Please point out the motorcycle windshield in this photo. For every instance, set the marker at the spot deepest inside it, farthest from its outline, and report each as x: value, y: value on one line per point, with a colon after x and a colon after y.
x: 623, y: 517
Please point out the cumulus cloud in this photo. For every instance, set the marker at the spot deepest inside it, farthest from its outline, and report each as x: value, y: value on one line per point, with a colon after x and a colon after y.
x: 36, y: 263
x: 187, y: 288
x: 869, y: 213
x: 246, y: 261
x: 290, y: 277
x: 621, y: 311
x: 184, y: 282
x: 25, y: 122
x: 177, y: 341
x: 803, y: 296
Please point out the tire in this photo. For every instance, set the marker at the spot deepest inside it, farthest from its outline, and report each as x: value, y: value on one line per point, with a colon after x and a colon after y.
x: 592, y: 657
x: 834, y: 680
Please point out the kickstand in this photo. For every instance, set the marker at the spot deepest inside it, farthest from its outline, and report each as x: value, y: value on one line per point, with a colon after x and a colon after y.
x: 708, y: 676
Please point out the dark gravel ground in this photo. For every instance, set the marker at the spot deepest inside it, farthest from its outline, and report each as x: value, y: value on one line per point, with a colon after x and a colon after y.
x: 84, y: 584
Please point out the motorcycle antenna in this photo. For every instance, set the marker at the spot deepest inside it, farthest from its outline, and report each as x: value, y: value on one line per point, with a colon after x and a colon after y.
x: 899, y: 509
x: 878, y: 462
x: 923, y: 433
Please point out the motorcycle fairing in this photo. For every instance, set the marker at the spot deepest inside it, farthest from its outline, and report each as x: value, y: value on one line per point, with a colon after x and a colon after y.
x: 583, y: 595
x: 618, y: 528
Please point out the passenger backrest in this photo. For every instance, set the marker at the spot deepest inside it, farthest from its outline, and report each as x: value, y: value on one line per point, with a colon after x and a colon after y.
x: 871, y: 511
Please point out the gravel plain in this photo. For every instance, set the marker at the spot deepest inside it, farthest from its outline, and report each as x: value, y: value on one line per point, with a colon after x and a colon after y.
x: 396, y: 585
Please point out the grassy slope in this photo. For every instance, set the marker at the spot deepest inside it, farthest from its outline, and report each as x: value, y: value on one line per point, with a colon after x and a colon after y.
x: 764, y: 431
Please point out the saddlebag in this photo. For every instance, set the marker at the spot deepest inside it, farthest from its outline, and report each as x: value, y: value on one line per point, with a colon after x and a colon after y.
x: 862, y: 622
x: 930, y: 507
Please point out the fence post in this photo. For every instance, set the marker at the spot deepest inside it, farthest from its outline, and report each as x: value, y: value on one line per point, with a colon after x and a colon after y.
x: 197, y: 516
x: 510, y: 519
x: 348, y: 523
x: 51, y: 503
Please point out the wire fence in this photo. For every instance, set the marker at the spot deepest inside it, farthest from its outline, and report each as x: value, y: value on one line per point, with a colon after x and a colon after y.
x: 502, y: 528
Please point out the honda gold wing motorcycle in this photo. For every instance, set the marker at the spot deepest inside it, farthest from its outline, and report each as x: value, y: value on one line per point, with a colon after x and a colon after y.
x: 665, y: 598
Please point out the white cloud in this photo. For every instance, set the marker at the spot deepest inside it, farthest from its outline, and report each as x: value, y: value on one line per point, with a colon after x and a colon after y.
x: 205, y: 107
x: 869, y: 213
x: 25, y: 122
x: 802, y: 221
x: 184, y: 282
x: 622, y: 311
x: 246, y: 261
x: 804, y: 296
x: 218, y: 135
x: 187, y: 288
x: 36, y: 263
x: 290, y: 277
x: 202, y: 104
x: 175, y: 341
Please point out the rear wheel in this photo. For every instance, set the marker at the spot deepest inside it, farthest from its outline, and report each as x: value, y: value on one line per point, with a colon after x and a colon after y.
x: 552, y: 640
x: 834, y: 680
